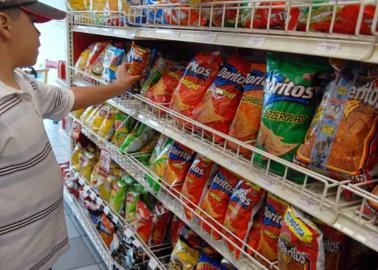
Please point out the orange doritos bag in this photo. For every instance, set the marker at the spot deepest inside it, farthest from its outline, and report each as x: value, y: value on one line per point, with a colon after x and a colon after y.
x: 161, y: 218
x: 216, y: 199
x: 217, y: 108
x: 198, y: 76
x: 245, y: 202
x: 162, y: 91
x: 138, y: 58
x: 143, y: 221
x: 246, y: 123
x: 300, y: 244
x: 196, y: 182
x: 179, y: 160
x: 265, y: 239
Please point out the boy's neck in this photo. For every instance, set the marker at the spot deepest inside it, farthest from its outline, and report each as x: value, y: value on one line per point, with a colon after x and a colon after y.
x: 7, y: 74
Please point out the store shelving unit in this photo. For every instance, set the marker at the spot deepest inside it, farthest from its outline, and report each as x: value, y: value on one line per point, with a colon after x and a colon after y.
x: 320, y: 197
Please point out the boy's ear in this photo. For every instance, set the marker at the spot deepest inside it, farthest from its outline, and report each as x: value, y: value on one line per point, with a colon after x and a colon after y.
x: 5, y: 26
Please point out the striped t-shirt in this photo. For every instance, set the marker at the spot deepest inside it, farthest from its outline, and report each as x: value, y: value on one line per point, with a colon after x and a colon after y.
x: 32, y: 227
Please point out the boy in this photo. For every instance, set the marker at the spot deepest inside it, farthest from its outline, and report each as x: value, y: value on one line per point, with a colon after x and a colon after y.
x: 32, y: 226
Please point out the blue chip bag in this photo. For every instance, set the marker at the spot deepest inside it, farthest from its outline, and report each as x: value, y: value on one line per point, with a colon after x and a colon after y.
x: 113, y: 58
x: 208, y: 263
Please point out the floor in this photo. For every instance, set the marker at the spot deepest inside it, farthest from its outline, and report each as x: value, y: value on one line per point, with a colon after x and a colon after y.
x: 82, y: 255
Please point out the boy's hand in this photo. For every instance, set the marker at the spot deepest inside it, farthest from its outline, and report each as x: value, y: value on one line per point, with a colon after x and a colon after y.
x: 124, y: 80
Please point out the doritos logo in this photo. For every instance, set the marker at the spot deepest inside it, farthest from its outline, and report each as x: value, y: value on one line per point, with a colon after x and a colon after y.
x: 177, y: 153
x: 199, y: 70
x: 271, y: 217
x: 197, y: 171
x: 240, y: 196
x: 221, y: 183
x: 230, y: 75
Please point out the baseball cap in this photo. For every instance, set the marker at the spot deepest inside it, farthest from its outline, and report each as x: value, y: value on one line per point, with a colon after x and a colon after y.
x: 41, y: 12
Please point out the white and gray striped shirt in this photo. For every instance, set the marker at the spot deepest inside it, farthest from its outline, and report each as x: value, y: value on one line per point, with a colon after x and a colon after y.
x: 32, y: 227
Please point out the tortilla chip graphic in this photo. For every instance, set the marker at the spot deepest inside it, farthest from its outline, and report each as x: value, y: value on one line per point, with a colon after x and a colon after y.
x: 205, y: 113
x: 273, y: 143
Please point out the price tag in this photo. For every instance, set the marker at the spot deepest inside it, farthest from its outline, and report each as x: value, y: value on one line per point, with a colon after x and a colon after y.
x: 115, y: 219
x: 129, y: 233
x: 327, y: 47
x: 92, y: 196
x: 266, y: 183
x: 137, y: 243
x: 106, y: 210
x: 153, y: 264
x: 306, y: 203
x: 231, y: 163
x: 167, y: 33
x: 99, y: 201
x: 256, y: 42
x: 86, y: 189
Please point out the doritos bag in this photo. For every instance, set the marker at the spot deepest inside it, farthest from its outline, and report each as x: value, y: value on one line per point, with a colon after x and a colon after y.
x: 162, y: 91
x: 143, y: 221
x: 335, y: 247
x: 246, y: 123
x: 291, y: 93
x: 342, y: 141
x: 217, y: 108
x: 300, y: 245
x: 185, y: 16
x: 179, y: 160
x: 175, y: 228
x: 245, y: 202
x: 207, y: 263
x: 139, y: 57
x: 196, y: 182
x: 161, y: 218
x: 217, y: 198
x: 198, y: 76
x: 263, y: 238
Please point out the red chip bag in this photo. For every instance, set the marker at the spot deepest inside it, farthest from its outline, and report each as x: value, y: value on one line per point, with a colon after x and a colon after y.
x: 198, y: 76
x: 264, y: 240
x: 160, y: 220
x: 179, y: 160
x: 162, y: 91
x: 216, y: 199
x: 300, y: 244
x: 335, y: 247
x: 138, y: 59
x: 370, y: 206
x: 245, y: 202
x: 144, y: 221
x: 246, y: 123
x: 107, y: 230
x: 176, y: 227
x: 218, y: 106
x: 196, y: 182
x: 185, y: 17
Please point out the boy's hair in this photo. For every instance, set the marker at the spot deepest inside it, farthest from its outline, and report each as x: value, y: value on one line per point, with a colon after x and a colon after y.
x: 13, y: 13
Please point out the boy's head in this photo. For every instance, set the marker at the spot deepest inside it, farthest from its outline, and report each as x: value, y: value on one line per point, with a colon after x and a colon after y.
x: 19, y: 38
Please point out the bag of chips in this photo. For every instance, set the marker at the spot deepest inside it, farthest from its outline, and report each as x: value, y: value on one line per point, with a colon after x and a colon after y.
x: 159, y: 67
x: 180, y: 158
x: 185, y: 16
x: 265, y: 232
x: 370, y: 206
x: 77, y: 5
x: 217, y: 108
x: 87, y: 113
x: 244, y: 204
x: 113, y: 58
x: 83, y: 58
x: 162, y: 91
x: 87, y: 162
x: 183, y: 257
x: 76, y: 156
x: 300, y: 244
x: 206, y: 263
x: 137, y: 139
x: 342, y: 141
x: 107, y: 229
x: 107, y: 127
x: 291, y: 93
x: 95, y: 63
x: 132, y: 198
x: 196, y: 182
x: 138, y: 57
x: 175, y: 228
x: 246, y: 123
x: 123, y: 126
x: 161, y: 218
x: 198, y: 76
x: 98, y: 118
x: 217, y: 198
x: 144, y: 154
x: 143, y: 221
x: 117, y: 196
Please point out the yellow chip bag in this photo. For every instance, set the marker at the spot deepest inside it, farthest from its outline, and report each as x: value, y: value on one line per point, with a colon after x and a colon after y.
x: 83, y: 58
x: 99, y: 118
x: 76, y: 155
x: 106, y: 130
x: 77, y: 5
x: 184, y: 257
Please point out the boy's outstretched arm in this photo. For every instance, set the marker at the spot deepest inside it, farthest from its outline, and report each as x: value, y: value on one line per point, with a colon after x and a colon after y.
x: 87, y: 96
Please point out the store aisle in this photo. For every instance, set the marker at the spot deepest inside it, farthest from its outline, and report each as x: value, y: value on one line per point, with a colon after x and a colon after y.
x: 82, y: 255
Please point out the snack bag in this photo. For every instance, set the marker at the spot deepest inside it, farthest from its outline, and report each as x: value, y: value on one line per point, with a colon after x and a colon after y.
x: 161, y: 218
x: 159, y: 165
x: 87, y: 162
x: 335, y: 247
x: 162, y: 91
x: 207, y: 263
x: 144, y: 154
x: 139, y: 57
x: 183, y: 257
x: 159, y: 67
x: 77, y: 114
x: 217, y: 198
x: 300, y: 244
x: 86, y: 113
x: 113, y: 58
x: 75, y: 157
x: 161, y: 143
x: 175, y: 227
x: 185, y: 17
x: 107, y: 229
x: 245, y: 202
x: 137, y: 139
x: 117, y: 196
x: 94, y: 112
x: 179, y: 160
x: 98, y: 5
x: 217, y: 108
x: 99, y: 118
x: 83, y: 58
x: 95, y: 61
x: 123, y: 126
x: 264, y: 235
x: 291, y: 92
x: 198, y: 76
x: 106, y: 129
x: 143, y: 221
x: 246, y: 123
x: 132, y: 198
x: 370, y: 206
x: 229, y: 15
x: 196, y: 182
x: 342, y: 141
x: 77, y: 5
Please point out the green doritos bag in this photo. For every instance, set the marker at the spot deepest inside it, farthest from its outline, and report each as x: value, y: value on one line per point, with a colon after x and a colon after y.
x: 292, y: 91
